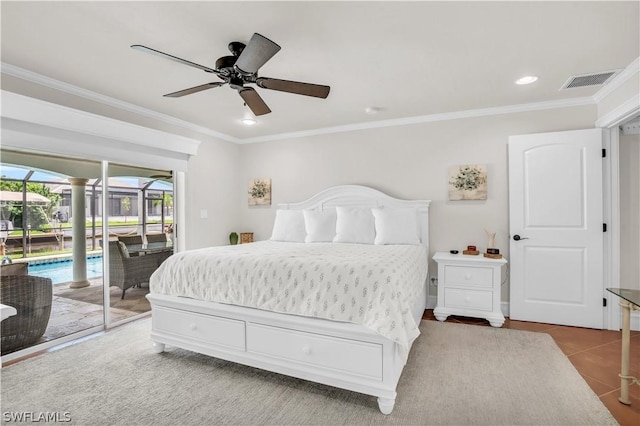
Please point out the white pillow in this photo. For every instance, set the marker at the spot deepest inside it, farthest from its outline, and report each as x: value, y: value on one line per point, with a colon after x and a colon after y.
x: 320, y: 225
x: 396, y: 226
x: 354, y: 225
x: 289, y: 226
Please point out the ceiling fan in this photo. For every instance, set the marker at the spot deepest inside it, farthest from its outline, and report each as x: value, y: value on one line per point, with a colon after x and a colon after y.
x: 240, y: 69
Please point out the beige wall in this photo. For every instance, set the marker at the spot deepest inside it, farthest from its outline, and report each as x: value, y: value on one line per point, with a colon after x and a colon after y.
x: 630, y: 211
x: 406, y: 162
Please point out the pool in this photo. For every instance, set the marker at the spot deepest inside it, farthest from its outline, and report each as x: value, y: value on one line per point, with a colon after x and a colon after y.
x: 61, y: 271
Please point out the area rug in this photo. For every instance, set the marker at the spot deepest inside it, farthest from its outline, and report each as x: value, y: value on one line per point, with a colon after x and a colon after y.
x: 134, y: 299
x: 456, y: 375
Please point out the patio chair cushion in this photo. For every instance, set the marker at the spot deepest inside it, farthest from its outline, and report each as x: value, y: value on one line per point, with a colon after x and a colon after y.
x: 123, y: 249
x: 14, y: 269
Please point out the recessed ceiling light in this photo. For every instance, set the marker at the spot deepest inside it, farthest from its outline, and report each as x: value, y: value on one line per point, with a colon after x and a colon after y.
x: 248, y: 121
x: 527, y: 79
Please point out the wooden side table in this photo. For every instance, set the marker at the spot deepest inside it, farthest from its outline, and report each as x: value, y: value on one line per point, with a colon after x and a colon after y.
x: 469, y: 286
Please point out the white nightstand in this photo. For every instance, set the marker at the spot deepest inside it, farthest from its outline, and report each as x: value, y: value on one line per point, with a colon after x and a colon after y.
x: 469, y: 286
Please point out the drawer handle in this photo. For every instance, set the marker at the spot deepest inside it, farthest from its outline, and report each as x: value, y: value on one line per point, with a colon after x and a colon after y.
x: 306, y: 350
x: 193, y: 327
x: 467, y: 277
x: 467, y: 299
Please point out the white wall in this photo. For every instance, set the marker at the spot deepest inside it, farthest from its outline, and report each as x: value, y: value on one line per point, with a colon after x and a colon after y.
x: 408, y: 162
x: 211, y: 186
x: 630, y: 211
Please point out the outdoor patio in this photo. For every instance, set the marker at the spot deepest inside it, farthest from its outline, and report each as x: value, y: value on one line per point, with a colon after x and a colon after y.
x: 74, y: 310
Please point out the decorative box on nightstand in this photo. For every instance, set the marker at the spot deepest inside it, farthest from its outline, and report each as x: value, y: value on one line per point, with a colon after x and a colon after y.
x: 469, y: 286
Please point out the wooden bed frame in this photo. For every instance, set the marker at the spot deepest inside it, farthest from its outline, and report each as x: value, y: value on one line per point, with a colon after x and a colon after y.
x: 344, y: 355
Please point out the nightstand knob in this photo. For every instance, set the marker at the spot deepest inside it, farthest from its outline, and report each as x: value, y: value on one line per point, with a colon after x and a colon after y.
x: 306, y: 350
x: 467, y: 277
x: 467, y: 299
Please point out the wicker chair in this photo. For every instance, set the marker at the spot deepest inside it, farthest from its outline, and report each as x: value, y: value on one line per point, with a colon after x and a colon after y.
x: 126, y: 272
x: 156, y: 238
x: 31, y: 296
x: 129, y: 241
x: 134, y: 239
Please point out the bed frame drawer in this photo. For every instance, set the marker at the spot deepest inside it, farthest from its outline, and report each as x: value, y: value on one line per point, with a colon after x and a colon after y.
x: 205, y: 328
x: 353, y: 357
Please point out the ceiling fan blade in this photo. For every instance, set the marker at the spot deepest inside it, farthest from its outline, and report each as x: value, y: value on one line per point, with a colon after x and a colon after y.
x: 307, y: 89
x: 172, y: 58
x: 254, y: 101
x: 195, y: 89
x: 257, y: 52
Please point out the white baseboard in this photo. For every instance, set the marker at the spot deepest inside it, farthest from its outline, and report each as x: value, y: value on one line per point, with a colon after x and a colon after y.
x: 432, y: 302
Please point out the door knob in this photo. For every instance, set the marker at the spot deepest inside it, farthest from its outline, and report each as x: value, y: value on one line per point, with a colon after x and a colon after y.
x: 518, y: 238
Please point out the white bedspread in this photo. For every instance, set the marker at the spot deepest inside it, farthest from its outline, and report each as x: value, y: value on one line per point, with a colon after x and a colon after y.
x: 372, y: 285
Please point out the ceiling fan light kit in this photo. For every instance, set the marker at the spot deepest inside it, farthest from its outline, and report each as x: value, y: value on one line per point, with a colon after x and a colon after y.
x: 241, y: 68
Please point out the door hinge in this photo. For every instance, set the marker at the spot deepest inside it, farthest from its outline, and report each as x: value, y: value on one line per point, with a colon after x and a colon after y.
x: 604, y: 227
x: 604, y: 302
x: 604, y: 153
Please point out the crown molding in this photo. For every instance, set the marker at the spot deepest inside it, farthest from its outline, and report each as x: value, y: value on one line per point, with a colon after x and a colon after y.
x: 623, y: 112
x: 455, y: 115
x: 633, y: 69
x: 107, y: 100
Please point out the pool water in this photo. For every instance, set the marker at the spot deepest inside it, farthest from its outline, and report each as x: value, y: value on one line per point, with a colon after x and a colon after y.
x: 62, y: 271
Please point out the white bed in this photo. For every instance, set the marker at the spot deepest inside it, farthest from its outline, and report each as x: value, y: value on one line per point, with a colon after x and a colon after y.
x: 327, y: 348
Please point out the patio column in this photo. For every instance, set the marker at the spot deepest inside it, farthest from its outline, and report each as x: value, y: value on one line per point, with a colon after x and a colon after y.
x: 79, y: 233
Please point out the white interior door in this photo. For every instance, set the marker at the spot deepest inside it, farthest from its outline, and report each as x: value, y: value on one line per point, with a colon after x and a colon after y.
x: 555, y: 211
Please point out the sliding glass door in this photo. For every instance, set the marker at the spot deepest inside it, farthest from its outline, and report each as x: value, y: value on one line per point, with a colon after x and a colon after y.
x: 51, y: 262
x: 75, y: 236
x: 140, y: 212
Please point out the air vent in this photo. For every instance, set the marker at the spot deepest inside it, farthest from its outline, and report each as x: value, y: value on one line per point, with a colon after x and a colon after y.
x: 587, y: 80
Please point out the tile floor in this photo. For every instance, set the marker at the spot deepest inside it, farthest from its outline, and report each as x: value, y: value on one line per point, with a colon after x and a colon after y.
x: 594, y: 353
x: 70, y: 316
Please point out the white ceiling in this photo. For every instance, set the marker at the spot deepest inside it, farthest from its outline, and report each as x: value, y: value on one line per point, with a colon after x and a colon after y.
x: 410, y: 58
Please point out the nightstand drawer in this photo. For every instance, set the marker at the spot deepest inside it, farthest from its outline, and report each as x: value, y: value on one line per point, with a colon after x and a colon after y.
x: 468, y: 276
x: 468, y: 299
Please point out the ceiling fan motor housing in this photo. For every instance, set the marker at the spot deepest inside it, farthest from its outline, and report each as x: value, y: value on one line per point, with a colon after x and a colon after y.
x: 226, y: 63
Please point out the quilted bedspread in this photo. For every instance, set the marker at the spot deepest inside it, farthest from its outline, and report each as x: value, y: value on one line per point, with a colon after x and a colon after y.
x: 372, y: 285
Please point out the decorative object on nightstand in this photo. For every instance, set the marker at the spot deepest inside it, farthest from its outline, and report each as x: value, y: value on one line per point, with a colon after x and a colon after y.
x: 469, y: 287
x: 233, y: 238
x: 492, y: 253
x: 471, y: 250
x: 246, y: 237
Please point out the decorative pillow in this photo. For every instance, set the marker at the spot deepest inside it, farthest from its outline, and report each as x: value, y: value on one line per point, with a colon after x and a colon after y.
x: 396, y: 226
x: 123, y: 249
x: 289, y: 226
x: 354, y: 225
x: 320, y: 225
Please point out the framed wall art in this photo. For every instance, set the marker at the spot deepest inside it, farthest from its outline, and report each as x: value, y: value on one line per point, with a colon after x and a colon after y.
x: 259, y: 192
x: 468, y: 182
